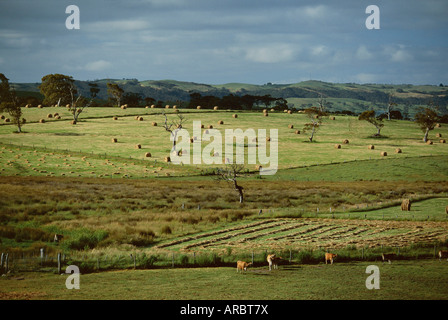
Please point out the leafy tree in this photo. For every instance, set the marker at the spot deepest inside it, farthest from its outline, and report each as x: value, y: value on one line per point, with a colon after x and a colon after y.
x: 427, y: 119
x: 370, y: 117
x: 115, y: 92
x: 10, y: 103
x: 57, y: 89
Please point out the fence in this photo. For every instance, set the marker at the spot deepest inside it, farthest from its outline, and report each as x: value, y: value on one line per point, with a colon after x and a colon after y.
x: 88, y: 263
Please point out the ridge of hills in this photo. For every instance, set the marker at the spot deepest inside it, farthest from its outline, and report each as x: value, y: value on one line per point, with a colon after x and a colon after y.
x: 341, y: 96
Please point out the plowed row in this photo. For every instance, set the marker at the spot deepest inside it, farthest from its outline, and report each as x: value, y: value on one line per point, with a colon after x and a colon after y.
x: 313, y: 233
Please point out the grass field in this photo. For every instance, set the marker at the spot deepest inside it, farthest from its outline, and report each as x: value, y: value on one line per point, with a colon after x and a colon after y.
x: 109, y: 200
x: 402, y: 280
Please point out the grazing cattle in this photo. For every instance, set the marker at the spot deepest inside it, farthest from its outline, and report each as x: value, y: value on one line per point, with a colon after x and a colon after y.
x: 242, y: 265
x: 330, y: 257
x: 388, y: 256
x: 273, y: 261
x: 58, y: 237
x: 443, y: 254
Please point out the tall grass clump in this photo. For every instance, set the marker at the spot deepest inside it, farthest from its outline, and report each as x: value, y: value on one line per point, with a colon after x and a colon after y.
x: 84, y: 239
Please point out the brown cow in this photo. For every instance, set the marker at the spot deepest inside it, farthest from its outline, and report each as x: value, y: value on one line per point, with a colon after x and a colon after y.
x: 242, y: 265
x: 330, y: 257
x: 273, y: 261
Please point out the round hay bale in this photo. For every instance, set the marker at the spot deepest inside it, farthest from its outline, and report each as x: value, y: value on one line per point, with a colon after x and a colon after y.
x: 383, y: 153
x: 114, y: 140
x: 40, y: 121
x: 285, y: 111
x: 210, y: 127
x: 438, y: 125
x: 215, y: 108
x: 167, y: 106
x: 167, y: 159
x: 40, y: 106
x: 202, y: 126
x: 297, y: 132
x: 235, y: 116
x: 115, y: 118
x: 429, y: 142
x: 154, y: 124
x: 140, y: 118
x: 438, y: 135
x: 332, y: 118
x: 123, y: 107
x: 2, y: 117
x: 56, y: 114
x: 406, y: 205
x: 442, y: 141
x: 174, y: 107
x: 220, y: 122
x: 371, y: 147
x: 398, y: 150
x: 337, y: 146
x: 289, y: 111
x: 28, y: 106
x: 73, y: 122
x: 138, y: 146
x: 57, y: 117
x: 258, y: 167
x: 198, y: 107
x: 153, y: 106
x: 49, y: 116
x: 268, y: 139
x: 146, y: 107
x: 345, y: 141
x: 291, y: 126
x: 265, y: 110
x: 272, y: 110
x: 266, y: 114
x: 148, y: 155
x: 191, y: 140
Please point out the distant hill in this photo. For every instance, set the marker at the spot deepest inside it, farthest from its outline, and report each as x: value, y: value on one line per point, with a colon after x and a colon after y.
x: 340, y: 96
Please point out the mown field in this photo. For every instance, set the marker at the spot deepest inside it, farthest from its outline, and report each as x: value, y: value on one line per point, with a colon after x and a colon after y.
x: 110, y: 201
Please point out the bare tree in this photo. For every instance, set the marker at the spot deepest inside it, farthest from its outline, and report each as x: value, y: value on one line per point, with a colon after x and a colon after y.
x: 230, y: 174
x: 390, y: 105
x: 174, y: 126
x: 79, y: 103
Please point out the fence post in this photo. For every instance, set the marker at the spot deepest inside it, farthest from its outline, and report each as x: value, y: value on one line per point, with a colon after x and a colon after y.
x: 59, y: 263
x: 6, y: 263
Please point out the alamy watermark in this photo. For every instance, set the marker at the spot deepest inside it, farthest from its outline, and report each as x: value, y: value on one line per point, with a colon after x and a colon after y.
x: 220, y: 150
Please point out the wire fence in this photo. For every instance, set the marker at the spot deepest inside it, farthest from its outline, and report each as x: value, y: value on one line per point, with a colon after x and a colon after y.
x: 88, y: 262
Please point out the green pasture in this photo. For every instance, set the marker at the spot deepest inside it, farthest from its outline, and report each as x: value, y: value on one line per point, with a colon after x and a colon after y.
x: 93, y: 135
x: 401, y: 280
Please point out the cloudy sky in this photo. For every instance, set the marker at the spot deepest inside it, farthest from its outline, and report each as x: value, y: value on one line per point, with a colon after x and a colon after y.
x: 221, y: 41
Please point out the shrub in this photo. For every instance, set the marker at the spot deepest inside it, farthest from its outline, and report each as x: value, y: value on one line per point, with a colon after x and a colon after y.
x: 166, y: 230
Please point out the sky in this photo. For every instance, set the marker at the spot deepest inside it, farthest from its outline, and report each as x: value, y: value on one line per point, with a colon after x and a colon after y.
x: 223, y: 41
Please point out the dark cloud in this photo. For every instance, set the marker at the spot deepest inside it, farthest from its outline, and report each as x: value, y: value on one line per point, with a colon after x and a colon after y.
x: 226, y: 41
